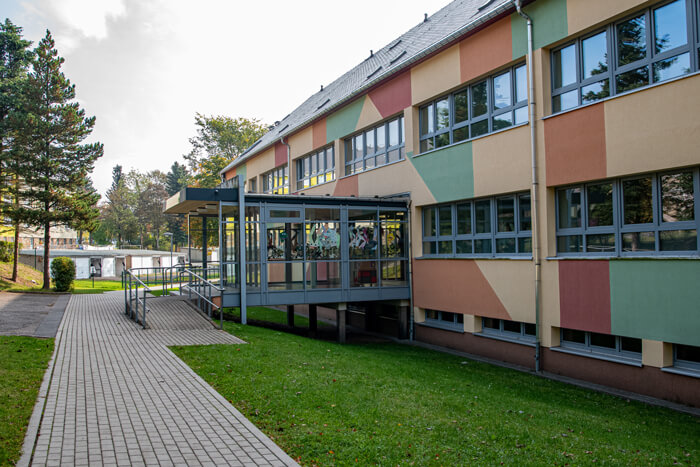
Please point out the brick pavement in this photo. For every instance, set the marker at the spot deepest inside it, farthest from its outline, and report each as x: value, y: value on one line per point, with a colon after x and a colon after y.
x: 119, y: 396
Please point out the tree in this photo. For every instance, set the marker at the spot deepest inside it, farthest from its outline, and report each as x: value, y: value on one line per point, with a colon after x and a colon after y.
x: 151, y: 193
x: 15, y: 58
x: 176, y: 180
x: 219, y: 140
x: 118, y: 218
x: 53, y: 130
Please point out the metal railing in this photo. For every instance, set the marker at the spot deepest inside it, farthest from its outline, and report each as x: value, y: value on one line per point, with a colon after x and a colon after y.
x: 198, y: 282
x: 132, y: 301
x: 203, y: 289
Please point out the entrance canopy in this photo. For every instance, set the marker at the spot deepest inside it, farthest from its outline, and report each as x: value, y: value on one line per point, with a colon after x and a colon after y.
x: 296, y: 249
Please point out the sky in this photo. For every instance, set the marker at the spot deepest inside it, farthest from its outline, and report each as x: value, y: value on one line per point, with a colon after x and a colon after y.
x: 145, y: 67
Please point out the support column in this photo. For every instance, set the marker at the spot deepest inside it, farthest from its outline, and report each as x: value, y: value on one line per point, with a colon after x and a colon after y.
x: 370, y: 316
x: 341, y: 319
x: 313, y: 320
x: 290, y: 316
x: 404, y: 309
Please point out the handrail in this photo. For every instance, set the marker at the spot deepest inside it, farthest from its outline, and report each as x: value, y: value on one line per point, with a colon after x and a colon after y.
x: 220, y: 289
x: 189, y: 278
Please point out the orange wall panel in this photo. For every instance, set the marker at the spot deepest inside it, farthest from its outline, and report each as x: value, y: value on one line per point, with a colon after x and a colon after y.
x: 486, y: 50
x: 575, y: 147
x: 319, y: 133
x: 347, y: 186
x: 394, y: 96
x: 457, y: 286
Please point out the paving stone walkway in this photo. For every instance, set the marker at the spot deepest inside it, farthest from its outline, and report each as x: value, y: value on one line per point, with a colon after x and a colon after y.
x: 119, y: 396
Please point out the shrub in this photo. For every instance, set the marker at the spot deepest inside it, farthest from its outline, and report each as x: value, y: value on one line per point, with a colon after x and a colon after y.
x: 6, y: 250
x: 63, y: 272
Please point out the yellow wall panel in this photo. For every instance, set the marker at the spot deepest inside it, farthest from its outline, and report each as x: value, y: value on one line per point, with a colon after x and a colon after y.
x: 260, y: 164
x: 436, y: 75
x: 585, y: 14
x: 502, y: 162
x: 653, y: 129
x: 301, y: 142
x: 513, y: 283
x: 369, y: 115
x: 550, y: 315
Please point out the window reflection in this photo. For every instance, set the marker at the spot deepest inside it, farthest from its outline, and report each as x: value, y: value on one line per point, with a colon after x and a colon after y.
x: 631, y: 40
x: 670, y: 26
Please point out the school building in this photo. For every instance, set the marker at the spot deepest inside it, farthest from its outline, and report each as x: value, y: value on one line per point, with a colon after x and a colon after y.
x: 551, y: 157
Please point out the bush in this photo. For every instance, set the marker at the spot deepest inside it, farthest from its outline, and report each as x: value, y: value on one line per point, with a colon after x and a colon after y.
x: 63, y: 272
x: 6, y: 250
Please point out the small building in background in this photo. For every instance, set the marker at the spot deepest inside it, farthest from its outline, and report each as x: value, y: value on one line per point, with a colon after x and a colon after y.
x: 106, y: 263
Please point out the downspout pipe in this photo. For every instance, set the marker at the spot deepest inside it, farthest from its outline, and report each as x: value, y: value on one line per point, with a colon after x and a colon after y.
x: 289, y: 163
x: 536, y: 254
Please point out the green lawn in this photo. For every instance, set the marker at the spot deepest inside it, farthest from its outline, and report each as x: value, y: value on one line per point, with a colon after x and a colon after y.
x: 391, y: 404
x: 23, y: 361
x: 84, y: 286
x: 271, y: 315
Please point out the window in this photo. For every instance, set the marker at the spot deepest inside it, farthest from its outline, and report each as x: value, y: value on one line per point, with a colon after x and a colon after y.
x: 493, y: 104
x: 377, y: 248
x: 252, y: 185
x: 509, y: 330
x: 626, y: 348
x: 444, y: 319
x: 375, y: 147
x: 495, y: 226
x: 316, y: 168
x: 686, y: 357
x: 648, y: 214
x: 654, y: 45
x: 276, y: 181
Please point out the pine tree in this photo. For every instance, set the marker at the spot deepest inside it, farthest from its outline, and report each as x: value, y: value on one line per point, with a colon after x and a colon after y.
x: 15, y: 58
x: 53, y: 128
x: 176, y: 180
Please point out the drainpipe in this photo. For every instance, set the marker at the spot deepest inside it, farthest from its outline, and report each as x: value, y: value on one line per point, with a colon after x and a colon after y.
x: 289, y: 163
x: 535, y: 184
x: 410, y: 274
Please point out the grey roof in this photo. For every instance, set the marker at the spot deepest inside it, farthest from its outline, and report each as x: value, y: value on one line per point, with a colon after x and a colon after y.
x: 98, y: 253
x: 450, y: 22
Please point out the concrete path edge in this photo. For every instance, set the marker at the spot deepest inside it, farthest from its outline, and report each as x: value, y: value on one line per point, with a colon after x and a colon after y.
x: 32, y: 433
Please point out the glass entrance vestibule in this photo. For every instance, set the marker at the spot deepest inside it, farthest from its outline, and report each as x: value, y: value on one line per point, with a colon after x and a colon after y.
x: 298, y: 249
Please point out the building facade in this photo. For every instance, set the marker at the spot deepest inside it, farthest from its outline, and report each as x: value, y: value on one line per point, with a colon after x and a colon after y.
x: 607, y: 289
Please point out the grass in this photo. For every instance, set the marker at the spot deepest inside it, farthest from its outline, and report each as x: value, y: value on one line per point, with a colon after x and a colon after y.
x: 390, y: 404
x: 270, y: 315
x: 25, y: 275
x: 84, y: 286
x: 23, y: 361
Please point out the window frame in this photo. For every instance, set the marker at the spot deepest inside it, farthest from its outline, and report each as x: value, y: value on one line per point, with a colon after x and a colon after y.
x: 596, y: 350
x: 619, y: 228
x: 493, y: 235
x: 691, y: 47
x: 687, y: 365
x: 438, y: 322
x: 503, y: 334
x: 306, y: 181
x: 271, y: 177
x: 489, y: 116
x: 355, y: 164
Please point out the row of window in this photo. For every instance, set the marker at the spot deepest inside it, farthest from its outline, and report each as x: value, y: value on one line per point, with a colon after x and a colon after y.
x: 493, y: 104
x: 316, y: 168
x: 377, y: 146
x: 654, y: 45
x: 276, y: 181
x: 604, y: 345
x: 654, y: 213
x: 486, y: 227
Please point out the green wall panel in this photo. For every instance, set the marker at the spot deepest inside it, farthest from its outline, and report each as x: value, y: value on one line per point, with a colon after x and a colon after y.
x: 656, y: 299
x: 448, y: 173
x: 242, y: 170
x: 343, y: 122
x: 549, y: 24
